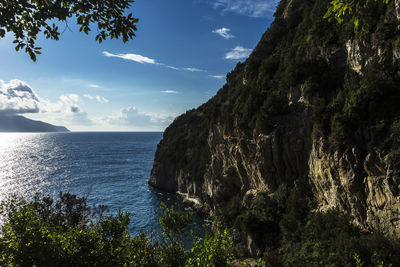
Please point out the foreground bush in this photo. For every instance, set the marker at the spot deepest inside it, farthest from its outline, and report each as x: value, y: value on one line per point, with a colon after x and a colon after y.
x: 68, y: 232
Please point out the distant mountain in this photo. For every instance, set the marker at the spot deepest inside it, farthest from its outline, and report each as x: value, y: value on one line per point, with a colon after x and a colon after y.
x: 15, y: 123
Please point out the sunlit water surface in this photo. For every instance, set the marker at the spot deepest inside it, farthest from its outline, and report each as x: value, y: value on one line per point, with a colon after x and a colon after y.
x: 112, y: 169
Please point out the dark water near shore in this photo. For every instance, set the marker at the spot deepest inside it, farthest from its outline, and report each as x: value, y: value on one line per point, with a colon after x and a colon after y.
x: 112, y: 169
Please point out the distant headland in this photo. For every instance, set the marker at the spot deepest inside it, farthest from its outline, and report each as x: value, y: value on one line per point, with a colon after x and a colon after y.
x: 17, y: 123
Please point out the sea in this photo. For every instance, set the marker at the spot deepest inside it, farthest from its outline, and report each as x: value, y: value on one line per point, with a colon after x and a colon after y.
x: 109, y: 168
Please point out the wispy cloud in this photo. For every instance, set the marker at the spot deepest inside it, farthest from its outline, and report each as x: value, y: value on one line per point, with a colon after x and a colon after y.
x: 184, y: 69
x: 224, y: 33
x: 217, y: 76
x: 169, y: 92
x: 171, y: 67
x: 133, y: 57
x: 99, y: 99
x: 145, y: 60
x: 102, y: 99
x: 94, y: 86
x: 192, y: 69
x: 251, y: 8
x: 239, y: 52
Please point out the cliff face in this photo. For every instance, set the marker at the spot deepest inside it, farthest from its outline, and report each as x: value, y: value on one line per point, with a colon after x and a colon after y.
x: 315, y: 104
x: 364, y: 185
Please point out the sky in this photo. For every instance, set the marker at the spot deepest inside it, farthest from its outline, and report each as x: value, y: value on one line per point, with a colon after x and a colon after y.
x: 179, y: 59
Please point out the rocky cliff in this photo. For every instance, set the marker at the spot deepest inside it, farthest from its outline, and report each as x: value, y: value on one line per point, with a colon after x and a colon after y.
x: 316, y: 106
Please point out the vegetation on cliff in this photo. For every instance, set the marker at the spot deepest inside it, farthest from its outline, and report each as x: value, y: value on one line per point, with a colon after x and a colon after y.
x: 341, y: 9
x: 288, y: 233
x: 302, y: 51
x: 340, y: 86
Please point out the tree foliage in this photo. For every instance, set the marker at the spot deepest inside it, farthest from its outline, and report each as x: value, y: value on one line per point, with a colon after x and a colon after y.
x: 26, y: 19
x: 68, y: 232
x: 342, y: 9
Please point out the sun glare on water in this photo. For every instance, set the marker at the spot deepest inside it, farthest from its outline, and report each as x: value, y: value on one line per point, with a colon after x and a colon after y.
x: 16, y: 164
x: 7, y: 140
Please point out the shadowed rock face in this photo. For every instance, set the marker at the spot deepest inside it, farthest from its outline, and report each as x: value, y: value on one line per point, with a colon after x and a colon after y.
x: 226, y: 159
x: 14, y: 123
x: 363, y: 184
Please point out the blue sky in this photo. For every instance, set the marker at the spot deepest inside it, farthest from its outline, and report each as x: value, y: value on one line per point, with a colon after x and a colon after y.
x: 179, y: 59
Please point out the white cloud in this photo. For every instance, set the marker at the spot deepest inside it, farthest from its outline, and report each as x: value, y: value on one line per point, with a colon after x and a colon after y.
x: 170, y: 92
x: 171, y: 67
x: 239, y: 52
x: 143, y: 60
x: 17, y: 97
x: 133, y: 57
x: 131, y: 116
x: 70, y: 104
x: 94, y: 86
x: 99, y: 99
x: 193, y: 69
x: 65, y: 104
x: 68, y: 112
x: 224, y: 33
x: 69, y: 99
x: 88, y: 96
x: 251, y: 8
x: 102, y: 99
x: 73, y: 97
x: 217, y: 76
x: 71, y: 119
x: 184, y: 69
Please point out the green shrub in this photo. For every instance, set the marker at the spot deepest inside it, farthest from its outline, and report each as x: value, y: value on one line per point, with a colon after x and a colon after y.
x: 215, y: 250
x: 330, y: 239
x: 68, y: 232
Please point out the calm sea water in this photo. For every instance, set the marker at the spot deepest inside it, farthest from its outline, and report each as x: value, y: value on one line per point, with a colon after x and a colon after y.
x: 112, y: 169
